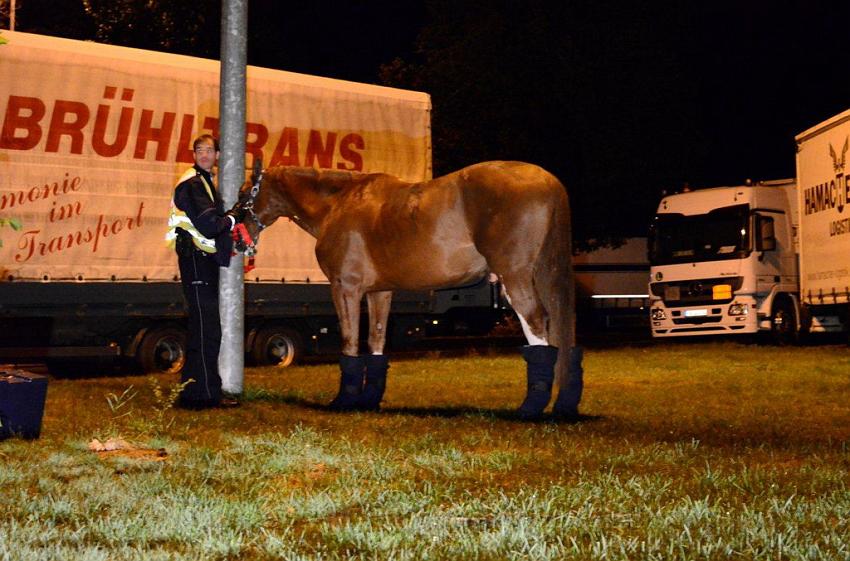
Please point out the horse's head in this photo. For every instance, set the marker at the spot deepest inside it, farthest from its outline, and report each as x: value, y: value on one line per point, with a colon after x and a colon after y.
x: 282, y: 191
x: 252, y: 202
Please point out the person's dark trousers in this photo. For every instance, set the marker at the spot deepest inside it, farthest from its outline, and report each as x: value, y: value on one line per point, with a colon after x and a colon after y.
x: 199, y: 276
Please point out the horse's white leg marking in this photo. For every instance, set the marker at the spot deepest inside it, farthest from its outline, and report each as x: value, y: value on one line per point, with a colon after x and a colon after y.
x: 379, y: 310
x: 526, y: 330
x: 380, y: 327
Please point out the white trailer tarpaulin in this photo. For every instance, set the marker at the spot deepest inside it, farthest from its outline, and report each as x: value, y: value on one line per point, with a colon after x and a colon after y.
x: 824, y: 203
x: 94, y: 137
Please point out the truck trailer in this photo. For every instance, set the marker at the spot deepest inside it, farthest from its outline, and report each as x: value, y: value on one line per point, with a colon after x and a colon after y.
x: 824, y: 233
x: 769, y: 257
x: 611, y: 289
x: 93, y: 139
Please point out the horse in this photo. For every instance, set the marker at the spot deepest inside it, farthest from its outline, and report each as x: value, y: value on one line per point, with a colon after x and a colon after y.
x: 376, y: 233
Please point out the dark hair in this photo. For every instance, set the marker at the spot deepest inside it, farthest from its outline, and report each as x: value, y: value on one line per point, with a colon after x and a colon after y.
x: 204, y: 137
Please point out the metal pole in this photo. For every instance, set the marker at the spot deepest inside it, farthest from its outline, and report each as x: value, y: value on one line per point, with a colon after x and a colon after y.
x: 234, y: 24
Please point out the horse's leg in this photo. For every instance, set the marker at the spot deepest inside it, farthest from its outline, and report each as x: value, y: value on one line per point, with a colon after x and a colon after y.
x: 569, y: 396
x: 377, y: 363
x: 347, y: 303
x: 539, y: 355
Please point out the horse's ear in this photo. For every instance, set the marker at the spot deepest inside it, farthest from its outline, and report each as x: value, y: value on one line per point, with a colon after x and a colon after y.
x: 258, y: 168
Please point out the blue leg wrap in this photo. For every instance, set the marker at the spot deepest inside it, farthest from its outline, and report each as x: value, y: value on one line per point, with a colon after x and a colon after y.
x: 540, y: 361
x: 569, y: 396
x: 376, y: 382
x: 351, y: 383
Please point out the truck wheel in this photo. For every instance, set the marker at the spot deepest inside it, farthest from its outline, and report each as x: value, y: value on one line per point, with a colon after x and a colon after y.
x: 784, y: 323
x: 279, y: 346
x: 163, y: 350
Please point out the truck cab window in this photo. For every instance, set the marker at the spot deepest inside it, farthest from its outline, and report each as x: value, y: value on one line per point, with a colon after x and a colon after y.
x: 720, y: 234
x: 765, y: 236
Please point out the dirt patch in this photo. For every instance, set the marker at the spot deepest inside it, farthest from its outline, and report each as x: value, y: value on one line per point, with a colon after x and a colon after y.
x: 120, y: 448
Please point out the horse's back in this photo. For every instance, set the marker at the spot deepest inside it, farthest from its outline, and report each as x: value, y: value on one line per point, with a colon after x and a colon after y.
x: 510, y: 176
x: 511, y: 209
x: 509, y: 188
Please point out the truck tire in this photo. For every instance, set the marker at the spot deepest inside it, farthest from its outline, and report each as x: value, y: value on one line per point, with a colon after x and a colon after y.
x: 784, y: 323
x: 162, y: 351
x: 277, y: 346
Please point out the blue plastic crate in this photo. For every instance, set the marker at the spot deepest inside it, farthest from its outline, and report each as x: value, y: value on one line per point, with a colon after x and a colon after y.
x: 22, y: 397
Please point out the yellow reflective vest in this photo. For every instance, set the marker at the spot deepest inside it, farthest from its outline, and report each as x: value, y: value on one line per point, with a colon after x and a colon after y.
x: 178, y: 219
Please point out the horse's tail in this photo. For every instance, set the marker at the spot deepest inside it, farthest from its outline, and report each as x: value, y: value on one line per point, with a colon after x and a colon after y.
x: 554, y: 282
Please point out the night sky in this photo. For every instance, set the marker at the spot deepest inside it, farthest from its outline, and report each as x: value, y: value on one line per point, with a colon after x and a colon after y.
x: 621, y: 100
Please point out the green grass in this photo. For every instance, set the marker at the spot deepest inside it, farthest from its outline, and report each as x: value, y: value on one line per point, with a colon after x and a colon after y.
x: 695, y: 451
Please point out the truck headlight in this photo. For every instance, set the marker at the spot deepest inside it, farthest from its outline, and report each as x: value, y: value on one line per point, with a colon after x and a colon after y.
x: 738, y: 309
x: 658, y: 314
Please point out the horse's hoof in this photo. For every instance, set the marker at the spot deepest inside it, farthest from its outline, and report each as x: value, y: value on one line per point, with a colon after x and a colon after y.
x: 526, y: 413
x: 373, y: 407
x: 344, y: 402
x: 533, y: 406
x: 369, y: 400
x: 529, y: 417
x: 566, y: 414
x: 341, y: 408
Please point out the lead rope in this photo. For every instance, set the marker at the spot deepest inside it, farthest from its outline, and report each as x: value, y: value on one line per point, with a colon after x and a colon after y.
x: 241, y: 238
x: 249, y: 206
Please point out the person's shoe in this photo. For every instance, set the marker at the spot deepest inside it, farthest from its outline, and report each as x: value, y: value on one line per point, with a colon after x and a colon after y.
x: 228, y: 403
x: 194, y: 404
x: 188, y: 406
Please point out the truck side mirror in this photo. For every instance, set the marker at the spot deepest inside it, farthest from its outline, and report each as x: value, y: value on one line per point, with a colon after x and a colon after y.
x: 765, y: 236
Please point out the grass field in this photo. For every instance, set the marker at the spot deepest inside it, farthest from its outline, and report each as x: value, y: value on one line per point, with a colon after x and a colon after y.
x: 692, y: 451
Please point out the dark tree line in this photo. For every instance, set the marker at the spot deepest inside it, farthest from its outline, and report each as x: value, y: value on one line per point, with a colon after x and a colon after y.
x: 190, y: 28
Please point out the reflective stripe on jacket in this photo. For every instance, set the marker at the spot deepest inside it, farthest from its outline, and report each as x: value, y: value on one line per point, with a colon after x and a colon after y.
x: 178, y: 219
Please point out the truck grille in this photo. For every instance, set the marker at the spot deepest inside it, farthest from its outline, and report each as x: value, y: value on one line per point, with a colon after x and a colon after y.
x: 697, y: 292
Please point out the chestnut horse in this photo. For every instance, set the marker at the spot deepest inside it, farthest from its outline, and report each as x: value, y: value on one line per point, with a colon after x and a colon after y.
x: 376, y: 233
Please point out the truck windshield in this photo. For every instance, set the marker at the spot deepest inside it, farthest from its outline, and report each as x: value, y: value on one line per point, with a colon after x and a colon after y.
x: 723, y: 233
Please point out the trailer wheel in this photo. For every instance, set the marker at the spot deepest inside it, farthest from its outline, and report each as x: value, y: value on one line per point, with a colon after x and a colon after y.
x: 278, y: 346
x: 784, y: 323
x: 163, y: 350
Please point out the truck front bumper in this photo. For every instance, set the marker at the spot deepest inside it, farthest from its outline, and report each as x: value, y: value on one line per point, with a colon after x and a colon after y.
x: 736, y: 317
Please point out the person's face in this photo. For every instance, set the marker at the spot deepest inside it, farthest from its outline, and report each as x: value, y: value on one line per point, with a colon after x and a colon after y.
x: 205, y: 155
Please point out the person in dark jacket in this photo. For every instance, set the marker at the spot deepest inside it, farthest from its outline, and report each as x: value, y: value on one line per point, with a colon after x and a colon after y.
x: 200, y: 231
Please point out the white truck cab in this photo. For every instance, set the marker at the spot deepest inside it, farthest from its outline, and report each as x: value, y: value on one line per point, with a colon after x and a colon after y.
x: 723, y: 261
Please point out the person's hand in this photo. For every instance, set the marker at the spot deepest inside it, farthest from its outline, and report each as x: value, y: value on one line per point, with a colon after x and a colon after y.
x: 237, y: 212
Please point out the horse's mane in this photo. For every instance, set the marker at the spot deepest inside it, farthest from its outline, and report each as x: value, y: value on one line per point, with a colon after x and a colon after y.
x: 329, y: 182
